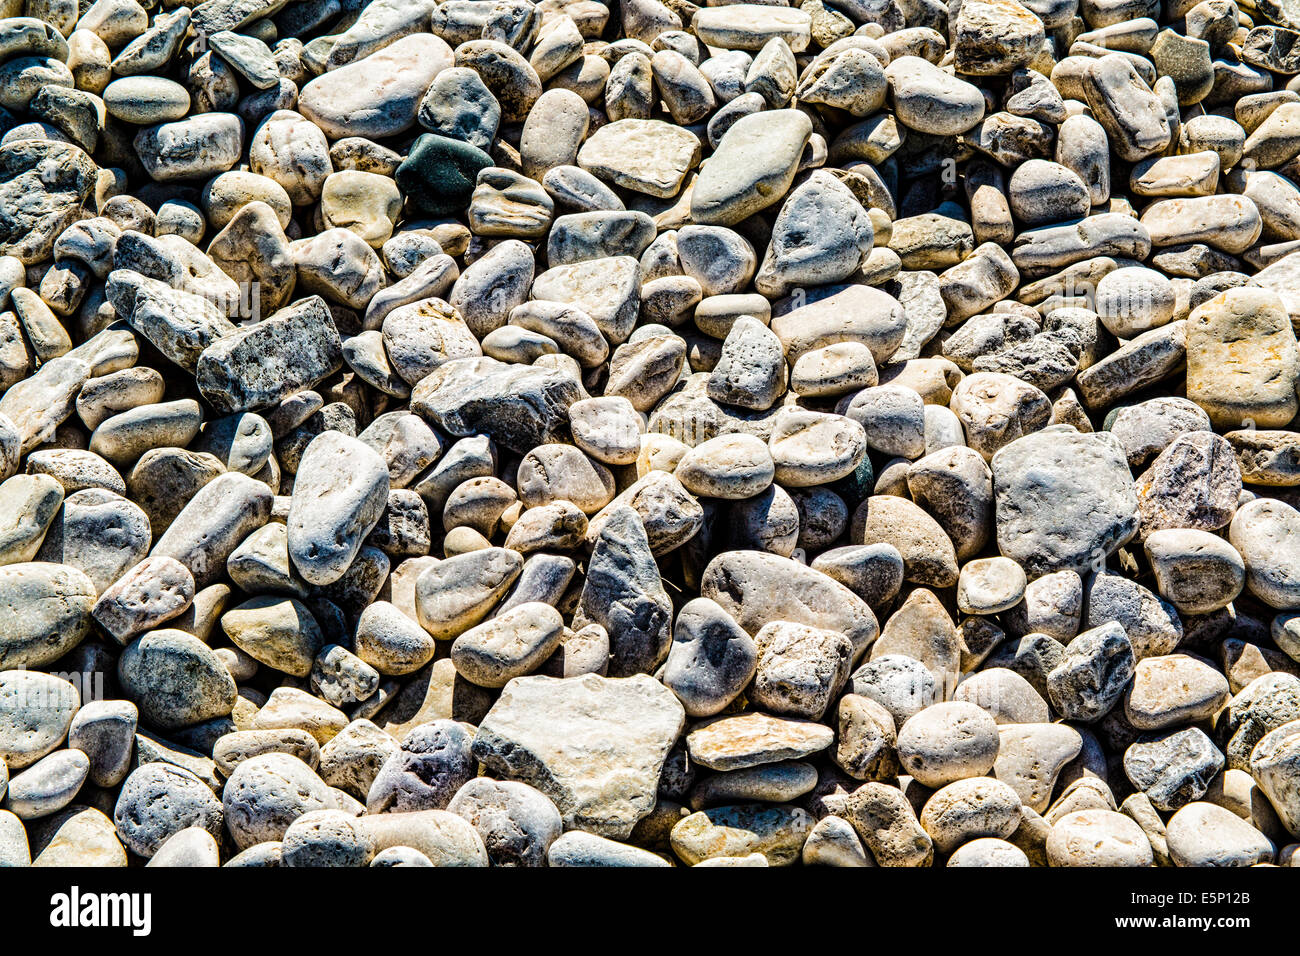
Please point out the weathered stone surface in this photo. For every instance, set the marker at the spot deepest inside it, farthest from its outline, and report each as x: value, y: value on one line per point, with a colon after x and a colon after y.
x: 1063, y: 500
x: 555, y: 735
x: 754, y: 739
x: 518, y: 406
x: 755, y: 588
x: 264, y: 364
x: 623, y: 593
x: 43, y: 185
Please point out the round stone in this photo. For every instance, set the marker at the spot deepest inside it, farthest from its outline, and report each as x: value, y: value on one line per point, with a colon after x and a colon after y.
x: 1098, y: 838
x: 947, y: 742
x: 990, y: 586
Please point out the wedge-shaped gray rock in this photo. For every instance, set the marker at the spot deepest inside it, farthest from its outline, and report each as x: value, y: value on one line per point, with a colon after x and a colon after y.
x: 1132, y: 115
x: 1152, y: 625
x: 454, y: 595
x: 752, y: 168
x: 1063, y: 500
x: 518, y: 406
x: 222, y: 514
x: 819, y: 237
x: 179, y: 324
x: 339, y: 494
x: 1091, y: 679
x: 263, y: 364
x: 594, y: 745
x: 623, y: 593
x: 1173, y: 769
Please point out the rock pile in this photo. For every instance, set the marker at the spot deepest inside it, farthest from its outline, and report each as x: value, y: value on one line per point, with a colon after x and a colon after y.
x: 857, y: 433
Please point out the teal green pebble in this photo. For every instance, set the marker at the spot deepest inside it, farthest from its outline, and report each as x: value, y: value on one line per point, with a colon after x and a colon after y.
x: 856, y: 487
x: 437, y: 177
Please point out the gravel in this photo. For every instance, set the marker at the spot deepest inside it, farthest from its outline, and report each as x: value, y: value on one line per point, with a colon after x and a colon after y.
x: 583, y: 434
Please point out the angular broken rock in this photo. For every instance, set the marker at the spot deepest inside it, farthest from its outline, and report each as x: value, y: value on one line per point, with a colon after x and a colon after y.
x: 520, y: 406
x: 261, y: 365
x: 594, y: 745
x: 623, y: 593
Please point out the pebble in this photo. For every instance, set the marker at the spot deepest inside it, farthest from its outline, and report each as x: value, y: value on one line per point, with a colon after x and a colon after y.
x: 1098, y: 837
x: 518, y: 824
x: 159, y: 800
x: 579, y: 848
x: 1096, y: 667
x: 1203, y: 834
x: 1273, y: 768
x: 948, y: 742
x: 266, y: 793
x: 191, y: 847
x: 1262, y: 533
x: 48, y: 785
x: 751, y: 740
x: 755, y: 160
x: 990, y: 585
x: 1173, y: 690
x: 1228, y: 338
x: 80, y: 836
x: 377, y: 95
x: 711, y: 659
x: 1031, y: 757
x: 340, y: 492
x: 104, y: 730
x: 777, y: 832
x: 833, y: 842
x: 972, y: 809
x: 1059, y: 510
x: 1173, y: 769
x: 175, y: 680
x: 433, y: 762
x: 887, y: 825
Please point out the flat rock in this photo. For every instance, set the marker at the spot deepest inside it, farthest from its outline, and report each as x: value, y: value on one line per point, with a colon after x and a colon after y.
x: 555, y: 735
x: 1063, y: 500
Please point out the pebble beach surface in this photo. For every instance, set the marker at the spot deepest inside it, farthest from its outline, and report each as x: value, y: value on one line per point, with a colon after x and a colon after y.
x: 495, y: 433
